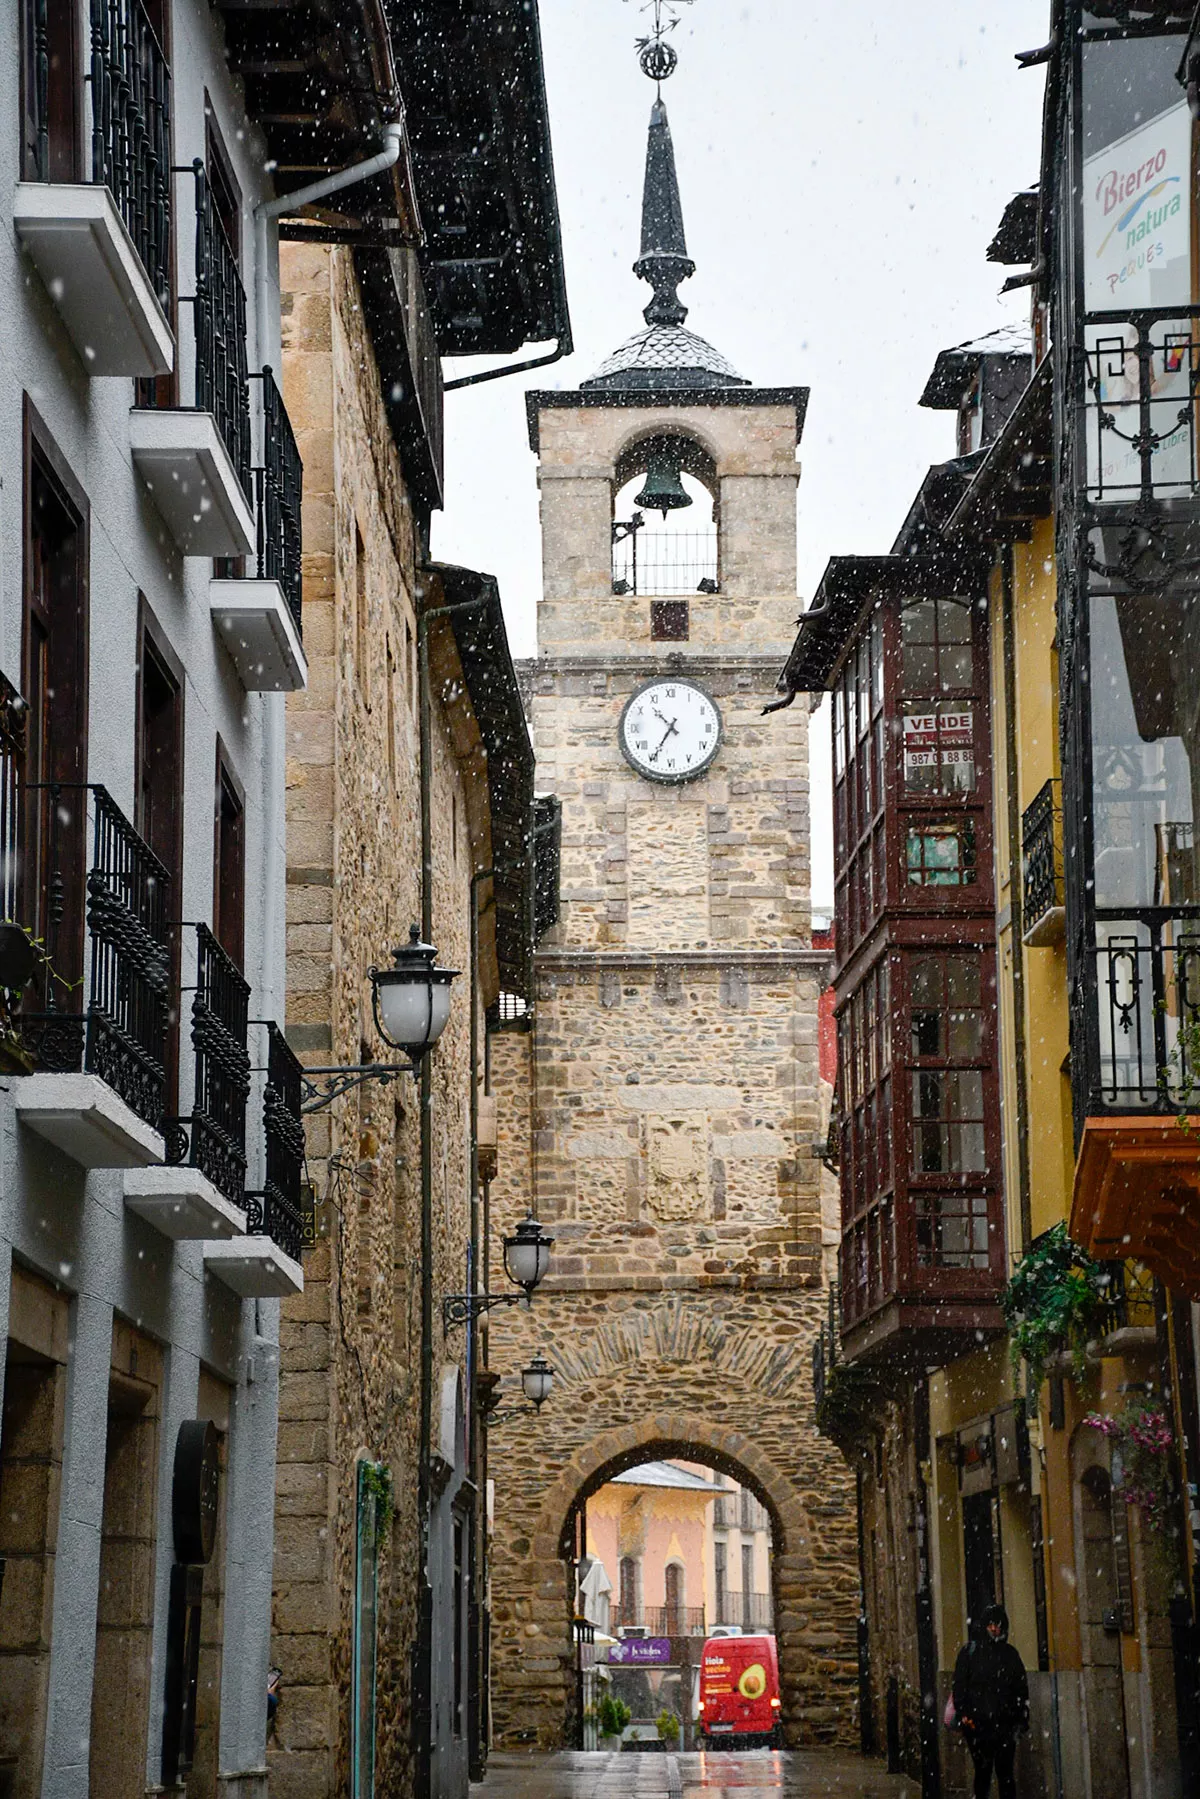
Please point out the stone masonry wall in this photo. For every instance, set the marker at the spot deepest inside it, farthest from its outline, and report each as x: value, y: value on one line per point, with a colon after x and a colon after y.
x: 351, y: 1342
x: 662, y: 1112
x: 722, y: 1377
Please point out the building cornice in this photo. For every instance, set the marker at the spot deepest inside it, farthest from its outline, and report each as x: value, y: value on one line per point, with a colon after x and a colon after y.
x: 563, y: 961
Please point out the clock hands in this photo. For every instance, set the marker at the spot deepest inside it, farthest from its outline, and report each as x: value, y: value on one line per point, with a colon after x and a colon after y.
x: 671, y: 730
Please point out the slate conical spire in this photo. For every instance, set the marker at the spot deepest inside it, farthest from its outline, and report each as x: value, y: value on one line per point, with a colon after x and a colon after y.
x: 664, y: 261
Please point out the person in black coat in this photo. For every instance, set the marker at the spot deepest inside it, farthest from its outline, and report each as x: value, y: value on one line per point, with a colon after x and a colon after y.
x: 991, y: 1703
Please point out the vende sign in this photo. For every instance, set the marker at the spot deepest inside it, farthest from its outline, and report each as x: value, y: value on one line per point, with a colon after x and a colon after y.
x: 931, y: 738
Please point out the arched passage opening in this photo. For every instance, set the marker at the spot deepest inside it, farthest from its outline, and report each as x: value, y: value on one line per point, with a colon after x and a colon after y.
x: 666, y: 1547
x: 726, y: 1385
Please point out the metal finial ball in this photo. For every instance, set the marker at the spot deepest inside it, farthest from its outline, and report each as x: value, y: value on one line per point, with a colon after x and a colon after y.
x: 658, y: 60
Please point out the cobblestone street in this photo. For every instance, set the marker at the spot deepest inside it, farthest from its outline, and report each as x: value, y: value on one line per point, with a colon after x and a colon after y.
x: 758, y: 1774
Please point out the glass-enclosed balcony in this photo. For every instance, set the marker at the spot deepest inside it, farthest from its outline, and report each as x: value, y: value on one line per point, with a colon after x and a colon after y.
x: 1128, y: 300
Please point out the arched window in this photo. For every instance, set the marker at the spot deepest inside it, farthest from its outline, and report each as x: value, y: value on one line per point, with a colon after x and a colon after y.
x: 673, y: 1594
x: 665, y: 529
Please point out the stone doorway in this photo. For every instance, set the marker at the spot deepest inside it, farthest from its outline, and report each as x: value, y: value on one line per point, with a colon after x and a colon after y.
x: 740, y: 1383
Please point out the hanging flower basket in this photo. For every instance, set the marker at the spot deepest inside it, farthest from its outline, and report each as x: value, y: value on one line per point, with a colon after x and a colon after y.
x: 1143, y: 1465
x: 1053, y: 1304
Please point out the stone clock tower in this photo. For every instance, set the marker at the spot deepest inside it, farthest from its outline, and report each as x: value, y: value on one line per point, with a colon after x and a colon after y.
x: 661, y: 1108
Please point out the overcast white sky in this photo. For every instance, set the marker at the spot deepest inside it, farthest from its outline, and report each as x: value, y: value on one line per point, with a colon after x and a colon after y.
x: 843, y: 166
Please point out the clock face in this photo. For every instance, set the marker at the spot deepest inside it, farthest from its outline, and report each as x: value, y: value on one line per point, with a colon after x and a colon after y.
x: 670, y: 730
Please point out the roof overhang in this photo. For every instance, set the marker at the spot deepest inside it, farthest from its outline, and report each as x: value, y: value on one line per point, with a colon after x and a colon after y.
x: 955, y: 372
x: 1137, y: 1195
x: 482, y: 644
x: 1015, y: 242
x: 1013, y: 485
x: 479, y: 129
x: 848, y: 586
x: 540, y: 400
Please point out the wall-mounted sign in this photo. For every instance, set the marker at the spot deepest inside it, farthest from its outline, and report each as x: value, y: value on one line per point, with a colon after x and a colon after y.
x: 1137, y: 241
x: 939, y: 750
x: 195, y: 1489
x: 640, y: 1651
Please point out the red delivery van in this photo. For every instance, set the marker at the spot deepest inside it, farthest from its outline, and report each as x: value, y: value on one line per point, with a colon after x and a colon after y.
x: 739, y: 1692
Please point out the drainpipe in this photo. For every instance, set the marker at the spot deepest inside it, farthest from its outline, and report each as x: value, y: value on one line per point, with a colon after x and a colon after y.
x: 274, y: 855
x: 268, y: 211
x: 1016, y: 894
x: 422, y: 1689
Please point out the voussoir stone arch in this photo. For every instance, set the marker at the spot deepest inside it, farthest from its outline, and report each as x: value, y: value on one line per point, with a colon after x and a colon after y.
x: 726, y: 1382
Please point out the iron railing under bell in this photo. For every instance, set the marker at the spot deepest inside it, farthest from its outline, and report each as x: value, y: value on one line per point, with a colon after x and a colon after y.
x: 1041, y: 856
x: 131, y: 123
x: 278, y: 484
x: 212, y: 1137
x: 278, y: 1210
x: 219, y: 321
x: 121, y: 1035
x: 664, y: 562
x: 1143, y: 972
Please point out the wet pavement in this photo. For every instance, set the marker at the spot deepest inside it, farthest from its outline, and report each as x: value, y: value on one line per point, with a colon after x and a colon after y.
x: 755, y: 1774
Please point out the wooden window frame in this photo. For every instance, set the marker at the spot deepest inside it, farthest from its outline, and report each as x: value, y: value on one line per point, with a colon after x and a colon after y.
x: 66, y: 147
x: 227, y: 782
x: 153, y: 641
x: 43, y: 461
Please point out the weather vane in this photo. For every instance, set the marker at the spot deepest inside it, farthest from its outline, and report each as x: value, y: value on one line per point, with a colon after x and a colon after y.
x: 657, y: 57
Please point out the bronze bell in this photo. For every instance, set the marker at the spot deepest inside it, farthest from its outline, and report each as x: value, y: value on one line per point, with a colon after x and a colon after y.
x: 664, y: 490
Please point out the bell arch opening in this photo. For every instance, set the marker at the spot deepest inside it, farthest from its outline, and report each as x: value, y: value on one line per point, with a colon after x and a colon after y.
x: 667, y: 477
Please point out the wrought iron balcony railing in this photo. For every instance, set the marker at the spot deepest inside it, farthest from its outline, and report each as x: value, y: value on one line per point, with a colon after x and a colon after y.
x: 213, y: 1137
x: 1041, y: 861
x: 279, y: 482
x: 1130, y: 1302
x: 131, y: 124
x: 278, y: 1210
x: 662, y: 1620
x: 131, y: 130
x: 1145, y: 978
x: 219, y: 317
x: 1141, y: 373
x: 121, y: 1036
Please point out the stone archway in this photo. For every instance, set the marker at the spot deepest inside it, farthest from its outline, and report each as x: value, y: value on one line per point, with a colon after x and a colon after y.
x: 724, y: 1380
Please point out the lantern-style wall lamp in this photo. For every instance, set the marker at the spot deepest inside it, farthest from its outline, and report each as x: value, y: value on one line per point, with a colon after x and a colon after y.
x: 537, y: 1382
x: 526, y: 1259
x: 411, y: 1003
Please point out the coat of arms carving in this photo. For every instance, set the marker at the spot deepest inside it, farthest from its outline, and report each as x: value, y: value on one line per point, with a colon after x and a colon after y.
x: 677, y: 1166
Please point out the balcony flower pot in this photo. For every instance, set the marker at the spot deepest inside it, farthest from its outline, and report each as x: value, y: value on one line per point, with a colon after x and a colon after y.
x: 19, y: 956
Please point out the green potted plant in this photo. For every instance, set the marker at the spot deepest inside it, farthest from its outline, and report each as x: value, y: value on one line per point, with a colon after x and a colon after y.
x: 1053, y: 1304
x: 668, y: 1729
x: 612, y: 1716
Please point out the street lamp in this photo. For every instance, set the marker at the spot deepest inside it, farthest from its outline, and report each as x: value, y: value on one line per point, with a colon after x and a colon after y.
x: 410, y: 1002
x: 537, y: 1380
x: 526, y: 1260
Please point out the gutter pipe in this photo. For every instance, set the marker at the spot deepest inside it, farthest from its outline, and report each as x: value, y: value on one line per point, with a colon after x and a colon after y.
x: 422, y: 1687
x: 562, y: 347
x: 268, y: 211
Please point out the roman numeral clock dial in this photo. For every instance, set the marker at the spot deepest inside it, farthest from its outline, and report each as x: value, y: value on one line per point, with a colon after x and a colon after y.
x: 670, y: 730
